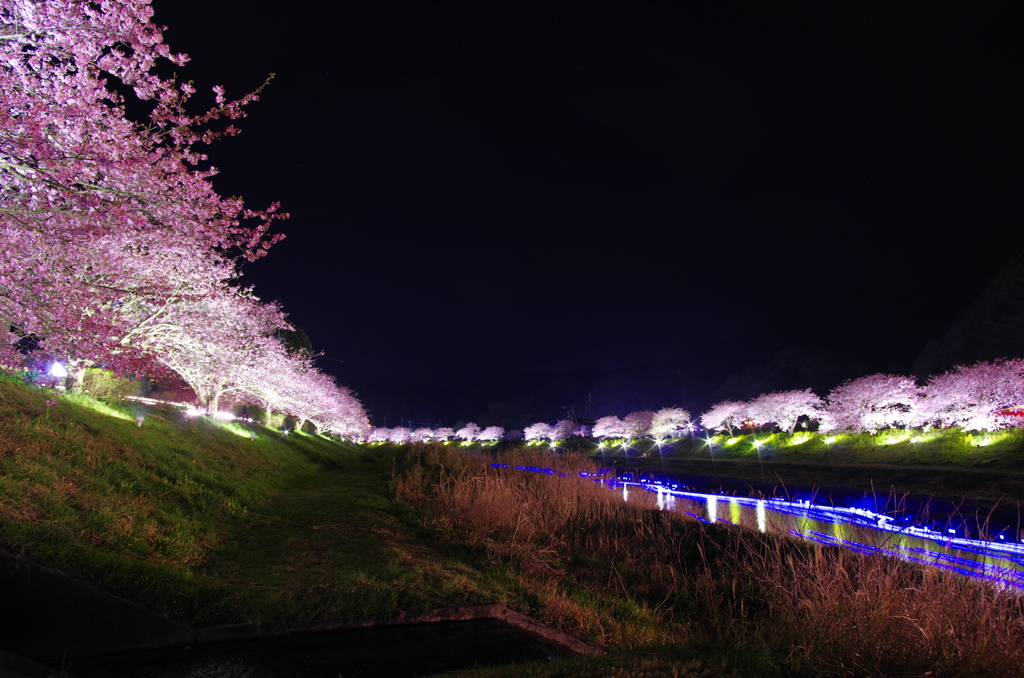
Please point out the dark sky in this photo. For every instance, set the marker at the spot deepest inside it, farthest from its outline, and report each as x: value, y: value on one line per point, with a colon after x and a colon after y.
x: 484, y: 189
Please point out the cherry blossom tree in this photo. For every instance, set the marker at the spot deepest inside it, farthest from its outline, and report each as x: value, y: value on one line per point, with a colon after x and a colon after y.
x: 96, y: 210
x: 726, y: 415
x: 379, y: 435
x: 669, y: 422
x: 971, y: 397
x: 491, y: 433
x: 872, y: 403
x: 562, y: 429
x: 469, y: 432
x: 609, y: 427
x: 116, y: 248
x: 538, y: 431
x: 399, y: 435
x: 293, y: 386
x: 637, y: 424
x: 444, y: 433
x: 784, y: 408
x: 347, y: 419
x: 221, y: 345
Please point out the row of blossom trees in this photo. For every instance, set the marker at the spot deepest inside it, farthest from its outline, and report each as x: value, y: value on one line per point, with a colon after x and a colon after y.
x: 981, y: 397
x: 469, y: 433
x: 117, y: 251
x: 665, y: 423
x: 975, y: 398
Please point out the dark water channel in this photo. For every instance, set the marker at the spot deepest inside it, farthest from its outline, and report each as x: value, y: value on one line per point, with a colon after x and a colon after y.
x: 411, y: 650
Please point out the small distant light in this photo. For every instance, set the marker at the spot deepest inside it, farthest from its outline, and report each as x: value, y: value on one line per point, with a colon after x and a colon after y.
x: 951, y: 531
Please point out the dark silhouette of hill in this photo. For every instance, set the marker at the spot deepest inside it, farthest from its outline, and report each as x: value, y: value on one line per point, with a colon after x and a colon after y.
x: 991, y: 328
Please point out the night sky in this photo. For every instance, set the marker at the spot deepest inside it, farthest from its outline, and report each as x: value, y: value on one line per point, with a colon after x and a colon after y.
x: 503, y: 209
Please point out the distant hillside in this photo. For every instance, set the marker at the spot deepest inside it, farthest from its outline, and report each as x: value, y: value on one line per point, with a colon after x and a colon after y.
x: 993, y: 327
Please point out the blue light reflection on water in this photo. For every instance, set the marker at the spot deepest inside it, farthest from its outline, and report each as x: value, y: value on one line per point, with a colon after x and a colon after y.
x: 853, y: 527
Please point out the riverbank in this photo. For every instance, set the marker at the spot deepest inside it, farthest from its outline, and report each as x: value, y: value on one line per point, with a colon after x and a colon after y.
x: 982, y: 470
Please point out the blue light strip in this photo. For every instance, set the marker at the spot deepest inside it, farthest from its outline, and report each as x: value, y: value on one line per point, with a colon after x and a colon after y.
x: 950, y: 554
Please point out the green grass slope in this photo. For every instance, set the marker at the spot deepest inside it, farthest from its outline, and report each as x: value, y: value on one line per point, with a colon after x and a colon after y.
x: 212, y: 522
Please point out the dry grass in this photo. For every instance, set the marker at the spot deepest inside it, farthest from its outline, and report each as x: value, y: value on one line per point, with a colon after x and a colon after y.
x: 626, y: 575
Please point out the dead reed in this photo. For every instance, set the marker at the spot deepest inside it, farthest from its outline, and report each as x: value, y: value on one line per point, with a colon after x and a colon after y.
x: 624, y: 574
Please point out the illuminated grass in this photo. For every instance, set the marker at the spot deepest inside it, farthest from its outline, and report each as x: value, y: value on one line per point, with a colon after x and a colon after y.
x: 193, y: 518
x: 244, y: 431
x: 892, y: 437
x: 800, y: 438
x: 98, y: 406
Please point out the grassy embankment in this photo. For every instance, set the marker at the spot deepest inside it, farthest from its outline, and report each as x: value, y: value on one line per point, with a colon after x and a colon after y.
x: 209, y: 522
x: 217, y: 523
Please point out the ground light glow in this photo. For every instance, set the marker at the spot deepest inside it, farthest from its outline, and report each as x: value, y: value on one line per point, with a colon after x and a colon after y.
x: 100, y: 407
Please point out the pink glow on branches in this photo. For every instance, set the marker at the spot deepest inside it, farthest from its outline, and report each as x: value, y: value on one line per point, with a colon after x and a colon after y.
x: 872, y: 403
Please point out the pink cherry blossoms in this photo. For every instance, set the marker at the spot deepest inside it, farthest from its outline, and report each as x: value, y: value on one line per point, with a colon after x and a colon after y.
x: 980, y: 397
x: 117, y: 251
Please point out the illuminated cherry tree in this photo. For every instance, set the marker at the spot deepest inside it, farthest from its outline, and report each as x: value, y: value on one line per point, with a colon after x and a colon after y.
x: 379, y: 435
x: 637, y: 424
x: 726, y: 415
x: 222, y: 345
x: 491, y: 433
x: 444, y: 433
x: 609, y: 427
x: 538, y: 431
x: 399, y: 435
x: 562, y: 429
x: 784, y: 408
x: 96, y: 210
x: 872, y: 403
x: 469, y: 432
x: 669, y: 422
x: 971, y: 397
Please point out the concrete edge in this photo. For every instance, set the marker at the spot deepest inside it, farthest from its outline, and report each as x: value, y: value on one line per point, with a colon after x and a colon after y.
x: 530, y: 625
x: 255, y: 630
x: 183, y: 636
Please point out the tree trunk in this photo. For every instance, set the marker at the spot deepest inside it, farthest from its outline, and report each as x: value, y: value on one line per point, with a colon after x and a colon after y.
x: 213, y: 404
x: 75, y: 381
